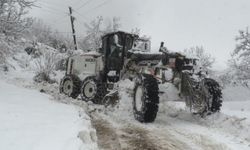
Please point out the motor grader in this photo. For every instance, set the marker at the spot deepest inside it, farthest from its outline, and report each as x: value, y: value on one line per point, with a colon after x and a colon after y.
x: 95, y: 76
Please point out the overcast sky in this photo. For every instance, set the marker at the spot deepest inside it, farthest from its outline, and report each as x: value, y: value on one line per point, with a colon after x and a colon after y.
x: 181, y: 24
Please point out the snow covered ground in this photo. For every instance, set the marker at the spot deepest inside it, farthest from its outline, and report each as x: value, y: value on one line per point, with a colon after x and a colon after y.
x: 176, y: 128
x: 33, y: 120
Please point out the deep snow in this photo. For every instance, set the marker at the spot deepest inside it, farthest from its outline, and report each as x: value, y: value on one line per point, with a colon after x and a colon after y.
x: 31, y: 121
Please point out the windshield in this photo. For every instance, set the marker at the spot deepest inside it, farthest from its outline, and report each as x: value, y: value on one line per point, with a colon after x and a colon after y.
x: 141, y: 45
x: 129, y: 42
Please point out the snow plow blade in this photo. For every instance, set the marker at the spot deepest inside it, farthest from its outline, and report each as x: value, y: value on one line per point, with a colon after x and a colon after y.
x: 111, y: 98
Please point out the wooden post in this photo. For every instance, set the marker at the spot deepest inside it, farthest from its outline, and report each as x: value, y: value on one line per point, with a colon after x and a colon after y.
x: 73, y: 28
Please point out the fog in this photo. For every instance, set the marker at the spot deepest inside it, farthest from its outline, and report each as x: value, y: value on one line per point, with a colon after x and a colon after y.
x: 180, y: 24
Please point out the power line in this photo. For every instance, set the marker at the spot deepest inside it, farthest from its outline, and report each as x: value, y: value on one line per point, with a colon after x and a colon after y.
x: 80, y: 23
x: 50, y: 11
x: 54, y: 4
x: 84, y: 4
x: 52, y: 8
x: 60, y: 20
x: 80, y: 14
x: 77, y: 2
x: 83, y: 16
x: 98, y: 6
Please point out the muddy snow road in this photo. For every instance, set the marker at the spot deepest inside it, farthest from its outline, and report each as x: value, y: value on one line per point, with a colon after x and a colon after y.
x: 174, y: 128
x: 118, y: 136
x: 171, y: 134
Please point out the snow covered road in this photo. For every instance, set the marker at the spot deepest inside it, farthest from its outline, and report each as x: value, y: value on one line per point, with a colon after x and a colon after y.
x: 31, y: 121
x: 175, y: 128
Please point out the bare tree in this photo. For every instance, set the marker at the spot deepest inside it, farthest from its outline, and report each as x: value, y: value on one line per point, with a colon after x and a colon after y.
x: 113, y: 25
x: 94, y: 33
x: 45, y: 65
x: 43, y: 33
x: 4, y: 49
x: 136, y: 31
x: 243, y: 44
x: 240, y: 61
x: 40, y: 32
x: 12, y: 16
x: 96, y: 29
x: 205, y: 60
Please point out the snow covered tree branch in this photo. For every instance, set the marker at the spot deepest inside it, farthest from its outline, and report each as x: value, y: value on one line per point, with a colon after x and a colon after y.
x: 205, y: 60
x: 12, y: 16
x: 42, y: 33
x: 95, y: 29
x: 239, y: 63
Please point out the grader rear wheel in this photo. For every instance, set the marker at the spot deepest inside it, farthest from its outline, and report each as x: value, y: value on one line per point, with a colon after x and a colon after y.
x: 93, y: 90
x: 205, y: 98
x: 70, y: 85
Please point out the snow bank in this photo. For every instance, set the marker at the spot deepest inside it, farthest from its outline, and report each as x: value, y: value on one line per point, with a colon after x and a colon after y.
x: 29, y: 120
x: 233, y: 121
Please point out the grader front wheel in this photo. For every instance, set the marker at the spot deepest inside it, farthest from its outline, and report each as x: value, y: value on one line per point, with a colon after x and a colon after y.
x: 145, y: 99
x: 215, y: 102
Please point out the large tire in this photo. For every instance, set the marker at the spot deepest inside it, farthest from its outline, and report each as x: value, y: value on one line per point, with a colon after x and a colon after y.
x: 145, y: 98
x: 215, y: 102
x: 70, y: 85
x: 93, y: 90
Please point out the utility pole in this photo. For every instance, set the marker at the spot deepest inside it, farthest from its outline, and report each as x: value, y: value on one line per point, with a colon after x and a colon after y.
x: 73, y: 28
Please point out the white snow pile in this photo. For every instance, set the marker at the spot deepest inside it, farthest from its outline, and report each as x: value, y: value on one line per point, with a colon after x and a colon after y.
x: 233, y: 120
x: 30, y: 120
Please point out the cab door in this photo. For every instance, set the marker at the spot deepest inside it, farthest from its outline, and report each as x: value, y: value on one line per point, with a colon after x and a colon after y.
x: 114, y: 52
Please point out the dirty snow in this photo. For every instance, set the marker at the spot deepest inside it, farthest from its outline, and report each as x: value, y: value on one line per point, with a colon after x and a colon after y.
x: 175, y: 127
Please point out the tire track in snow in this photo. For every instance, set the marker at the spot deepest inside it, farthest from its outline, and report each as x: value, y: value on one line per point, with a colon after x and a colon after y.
x: 206, y: 133
x: 112, y: 135
x: 107, y: 138
x: 200, y: 141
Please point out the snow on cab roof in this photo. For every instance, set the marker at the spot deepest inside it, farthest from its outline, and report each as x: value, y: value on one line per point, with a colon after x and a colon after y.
x: 119, y: 32
x: 91, y: 53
